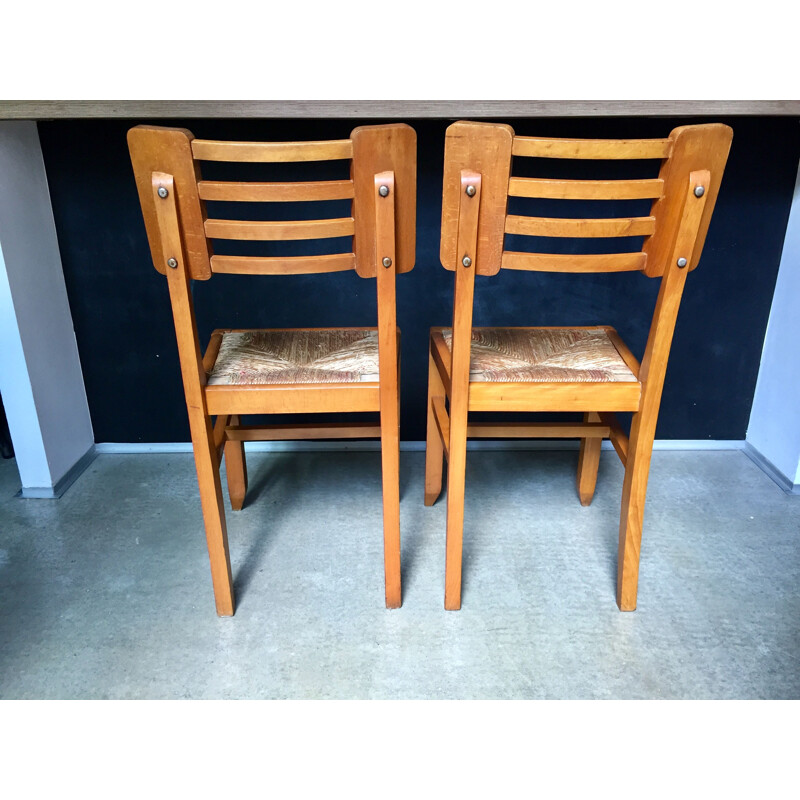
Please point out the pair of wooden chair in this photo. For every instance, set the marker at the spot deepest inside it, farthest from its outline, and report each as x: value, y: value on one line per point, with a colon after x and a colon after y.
x: 588, y: 370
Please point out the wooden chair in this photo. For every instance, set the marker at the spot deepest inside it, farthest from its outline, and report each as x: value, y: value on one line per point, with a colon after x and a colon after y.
x: 282, y: 371
x: 587, y: 370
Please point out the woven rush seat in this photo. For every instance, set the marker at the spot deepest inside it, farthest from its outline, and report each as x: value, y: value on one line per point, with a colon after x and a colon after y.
x: 296, y: 356
x: 543, y: 354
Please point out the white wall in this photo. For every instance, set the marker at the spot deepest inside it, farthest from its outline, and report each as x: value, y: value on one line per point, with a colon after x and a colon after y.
x: 774, y: 429
x: 40, y: 373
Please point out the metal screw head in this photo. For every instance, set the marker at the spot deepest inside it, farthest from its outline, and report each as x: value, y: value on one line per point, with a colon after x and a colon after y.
x: 699, y: 191
x: 387, y: 262
x: 171, y: 262
x: 682, y: 262
x: 466, y: 261
x: 383, y: 191
x: 162, y: 192
x: 470, y: 191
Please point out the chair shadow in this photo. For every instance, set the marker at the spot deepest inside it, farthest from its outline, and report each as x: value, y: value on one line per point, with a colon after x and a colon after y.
x: 404, y: 477
x: 275, y: 474
x: 256, y: 490
x: 558, y: 464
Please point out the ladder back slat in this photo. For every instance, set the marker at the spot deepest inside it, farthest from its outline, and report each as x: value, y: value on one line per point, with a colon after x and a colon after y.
x: 295, y: 265
x: 271, y: 152
x: 581, y: 228
x: 275, y: 230
x: 543, y: 262
x: 611, y: 149
x: 275, y: 192
x: 586, y: 190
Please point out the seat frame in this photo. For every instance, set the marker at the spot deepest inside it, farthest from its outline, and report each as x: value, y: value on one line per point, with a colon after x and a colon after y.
x: 472, y: 242
x: 384, y: 185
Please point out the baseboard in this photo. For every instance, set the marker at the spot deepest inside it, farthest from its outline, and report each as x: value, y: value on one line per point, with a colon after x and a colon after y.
x: 766, y: 466
x: 374, y: 445
x: 61, y: 486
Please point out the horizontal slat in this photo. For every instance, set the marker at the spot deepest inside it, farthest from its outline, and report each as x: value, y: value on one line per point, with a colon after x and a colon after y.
x: 537, y: 430
x: 275, y: 192
x: 585, y: 190
x: 581, y: 228
x: 309, y: 398
x: 545, y: 262
x: 275, y: 230
x: 590, y: 148
x: 271, y: 152
x: 294, y: 265
x: 552, y: 396
x: 278, y: 433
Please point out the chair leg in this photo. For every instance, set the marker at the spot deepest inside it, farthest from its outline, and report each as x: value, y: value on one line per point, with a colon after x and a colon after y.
x: 434, y: 447
x: 588, y: 461
x: 236, y: 470
x: 208, y: 479
x: 390, y: 463
x: 456, y: 469
x: 634, y: 490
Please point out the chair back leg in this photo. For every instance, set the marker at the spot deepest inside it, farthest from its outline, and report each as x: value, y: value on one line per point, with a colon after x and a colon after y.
x: 207, y: 464
x: 388, y: 360
x: 634, y: 491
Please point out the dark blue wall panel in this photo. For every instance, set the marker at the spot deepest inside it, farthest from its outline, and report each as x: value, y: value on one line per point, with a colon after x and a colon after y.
x: 124, y: 326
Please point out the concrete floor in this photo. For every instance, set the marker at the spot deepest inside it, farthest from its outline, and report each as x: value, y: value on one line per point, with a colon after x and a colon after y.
x: 106, y: 593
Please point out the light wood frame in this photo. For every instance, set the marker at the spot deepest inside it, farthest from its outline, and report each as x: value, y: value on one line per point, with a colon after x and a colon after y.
x: 172, y: 194
x: 477, y: 184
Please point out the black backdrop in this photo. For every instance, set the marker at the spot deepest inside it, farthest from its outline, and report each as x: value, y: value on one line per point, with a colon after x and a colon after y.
x: 124, y: 327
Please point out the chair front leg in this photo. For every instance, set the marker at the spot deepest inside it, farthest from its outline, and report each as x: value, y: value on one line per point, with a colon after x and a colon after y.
x: 588, y: 462
x: 236, y: 470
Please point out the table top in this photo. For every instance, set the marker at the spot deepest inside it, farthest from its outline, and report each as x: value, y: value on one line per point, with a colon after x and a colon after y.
x: 400, y: 109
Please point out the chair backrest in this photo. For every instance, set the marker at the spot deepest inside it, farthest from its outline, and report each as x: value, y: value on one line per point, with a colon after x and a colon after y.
x: 372, y: 150
x: 487, y: 149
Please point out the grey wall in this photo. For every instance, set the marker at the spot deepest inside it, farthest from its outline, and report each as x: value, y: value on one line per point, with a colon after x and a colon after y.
x: 775, y: 417
x: 40, y: 373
